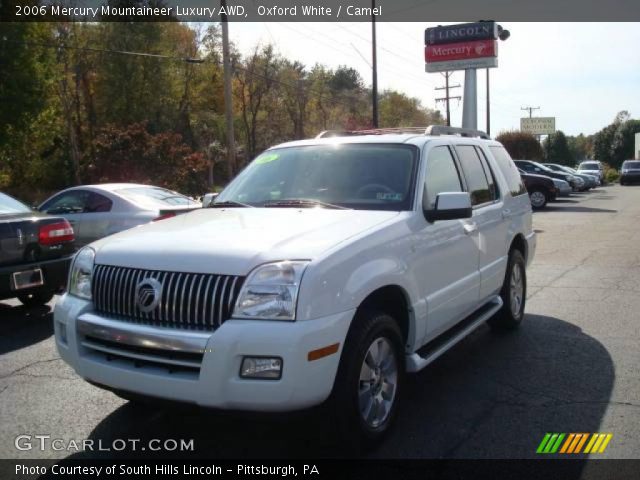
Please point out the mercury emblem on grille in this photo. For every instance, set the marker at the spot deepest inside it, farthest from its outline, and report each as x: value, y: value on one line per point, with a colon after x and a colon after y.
x: 148, y: 293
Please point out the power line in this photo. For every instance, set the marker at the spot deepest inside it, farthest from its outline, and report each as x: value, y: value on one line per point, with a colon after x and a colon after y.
x: 447, y: 97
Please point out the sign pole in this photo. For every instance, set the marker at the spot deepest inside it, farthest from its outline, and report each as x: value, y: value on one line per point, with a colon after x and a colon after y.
x: 470, y: 101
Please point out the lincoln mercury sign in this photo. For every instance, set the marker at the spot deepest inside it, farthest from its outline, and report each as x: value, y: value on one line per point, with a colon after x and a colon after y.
x: 461, y: 47
x: 538, y: 125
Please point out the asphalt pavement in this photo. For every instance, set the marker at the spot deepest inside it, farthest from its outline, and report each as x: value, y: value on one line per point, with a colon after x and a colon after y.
x: 572, y: 367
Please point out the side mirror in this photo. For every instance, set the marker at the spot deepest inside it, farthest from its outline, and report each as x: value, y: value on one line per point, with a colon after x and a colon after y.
x: 208, y: 199
x: 450, y: 206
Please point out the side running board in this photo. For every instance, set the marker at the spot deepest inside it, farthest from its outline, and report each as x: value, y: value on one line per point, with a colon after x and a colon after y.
x: 439, y: 345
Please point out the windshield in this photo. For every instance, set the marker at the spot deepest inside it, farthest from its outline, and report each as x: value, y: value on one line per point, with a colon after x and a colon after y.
x: 543, y: 167
x: 358, y: 176
x: 589, y: 166
x: 634, y: 165
x: 155, y: 197
x: 9, y: 205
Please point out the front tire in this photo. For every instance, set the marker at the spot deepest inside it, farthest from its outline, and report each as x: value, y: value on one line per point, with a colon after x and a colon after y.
x: 35, y: 299
x: 370, y: 380
x: 538, y: 198
x: 513, y: 294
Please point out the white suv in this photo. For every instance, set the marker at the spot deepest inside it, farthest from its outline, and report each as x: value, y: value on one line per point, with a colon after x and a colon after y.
x: 326, y: 270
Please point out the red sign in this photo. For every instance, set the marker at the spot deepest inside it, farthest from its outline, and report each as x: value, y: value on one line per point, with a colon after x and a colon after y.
x: 461, y: 51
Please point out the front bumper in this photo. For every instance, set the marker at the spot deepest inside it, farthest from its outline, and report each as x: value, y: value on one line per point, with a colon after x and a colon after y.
x: 216, y: 382
x: 630, y: 177
x: 54, y: 273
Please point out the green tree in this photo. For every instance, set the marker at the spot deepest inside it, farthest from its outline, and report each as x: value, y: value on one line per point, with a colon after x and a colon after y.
x: 556, y: 149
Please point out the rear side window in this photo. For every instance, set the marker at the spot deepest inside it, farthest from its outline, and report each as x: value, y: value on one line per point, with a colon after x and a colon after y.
x: 509, y: 171
x: 493, y: 186
x: 442, y: 174
x: 474, y: 174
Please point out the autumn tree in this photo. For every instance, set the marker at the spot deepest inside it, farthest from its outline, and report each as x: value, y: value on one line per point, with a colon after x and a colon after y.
x: 521, y: 145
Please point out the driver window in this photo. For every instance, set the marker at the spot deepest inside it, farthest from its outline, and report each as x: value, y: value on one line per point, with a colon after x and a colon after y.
x: 442, y: 175
x: 67, y: 202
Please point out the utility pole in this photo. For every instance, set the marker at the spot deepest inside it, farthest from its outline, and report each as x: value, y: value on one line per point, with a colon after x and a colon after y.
x: 530, y: 109
x: 447, y: 97
x: 374, y: 65
x: 228, y: 99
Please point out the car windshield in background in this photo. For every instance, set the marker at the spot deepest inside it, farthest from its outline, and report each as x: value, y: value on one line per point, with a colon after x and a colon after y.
x: 155, y: 197
x: 589, y: 166
x: 631, y: 165
x: 9, y: 205
x: 357, y: 176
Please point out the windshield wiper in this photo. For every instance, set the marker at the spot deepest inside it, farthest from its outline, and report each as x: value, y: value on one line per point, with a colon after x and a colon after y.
x: 302, y: 202
x: 230, y: 203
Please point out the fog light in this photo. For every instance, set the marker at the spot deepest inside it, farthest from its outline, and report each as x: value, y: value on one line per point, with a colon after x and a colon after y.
x: 266, y: 368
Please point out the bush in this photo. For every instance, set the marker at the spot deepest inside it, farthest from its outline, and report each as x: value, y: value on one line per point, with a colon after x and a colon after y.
x: 611, y: 175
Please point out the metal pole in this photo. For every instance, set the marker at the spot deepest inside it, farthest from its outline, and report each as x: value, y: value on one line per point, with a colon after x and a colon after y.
x: 470, y: 102
x: 374, y: 65
x: 228, y: 99
x: 488, y: 106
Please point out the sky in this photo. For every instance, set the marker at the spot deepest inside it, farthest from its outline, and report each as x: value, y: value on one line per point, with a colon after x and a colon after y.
x: 581, y: 73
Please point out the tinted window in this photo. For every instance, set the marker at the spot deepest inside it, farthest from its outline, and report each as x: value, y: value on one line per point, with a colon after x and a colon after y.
x: 360, y: 176
x: 96, y: 203
x: 633, y: 165
x: 509, y: 170
x: 589, y: 166
x: 73, y: 201
x: 493, y: 186
x: 9, y: 205
x: 442, y: 175
x: 477, y: 183
x: 155, y: 197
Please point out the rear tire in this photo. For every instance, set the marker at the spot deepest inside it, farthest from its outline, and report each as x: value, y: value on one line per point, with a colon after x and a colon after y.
x: 538, y: 198
x: 513, y: 294
x: 35, y: 299
x: 369, y: 381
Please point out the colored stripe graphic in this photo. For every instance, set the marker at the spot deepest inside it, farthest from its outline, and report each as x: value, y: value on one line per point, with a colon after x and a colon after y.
x: 556, y: 443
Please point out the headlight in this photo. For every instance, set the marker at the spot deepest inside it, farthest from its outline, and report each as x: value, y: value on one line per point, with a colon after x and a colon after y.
x: 271, y: 292
x: 625, y: 171
x: 81, y: 273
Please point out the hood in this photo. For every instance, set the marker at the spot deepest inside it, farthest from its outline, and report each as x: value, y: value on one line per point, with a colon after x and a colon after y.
x: 233, y: 241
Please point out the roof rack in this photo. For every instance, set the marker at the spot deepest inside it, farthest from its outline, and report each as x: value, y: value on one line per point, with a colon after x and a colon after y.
x: 430, y: 130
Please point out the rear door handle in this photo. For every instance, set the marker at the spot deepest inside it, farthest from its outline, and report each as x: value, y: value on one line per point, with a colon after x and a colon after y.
x: 469, y: 228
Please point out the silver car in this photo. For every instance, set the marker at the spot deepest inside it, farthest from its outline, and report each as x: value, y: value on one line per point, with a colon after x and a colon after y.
x: 96, y: 211
x: 592, y: 167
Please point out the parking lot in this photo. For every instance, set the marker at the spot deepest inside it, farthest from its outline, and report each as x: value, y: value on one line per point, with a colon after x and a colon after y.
x: 572, y: 367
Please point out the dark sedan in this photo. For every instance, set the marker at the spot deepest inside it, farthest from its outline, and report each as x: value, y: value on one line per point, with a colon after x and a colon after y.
x: 630, y: 172
x: 536, y: 168
x: 541, y: 189
x: 35, y: 253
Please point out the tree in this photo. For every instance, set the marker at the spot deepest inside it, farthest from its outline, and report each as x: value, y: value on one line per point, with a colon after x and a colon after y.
x: 615, y: 142
x: 556, y: 149
x: 521, y: 145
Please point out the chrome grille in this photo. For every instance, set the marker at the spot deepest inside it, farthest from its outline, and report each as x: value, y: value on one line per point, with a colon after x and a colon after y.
x: 187, y: 300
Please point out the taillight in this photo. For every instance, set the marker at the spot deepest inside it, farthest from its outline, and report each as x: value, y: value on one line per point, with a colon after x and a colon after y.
x: 164, y: 216
x: 53, y: 233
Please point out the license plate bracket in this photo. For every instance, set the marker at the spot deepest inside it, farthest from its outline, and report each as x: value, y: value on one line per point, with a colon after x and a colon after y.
x: 28, y: 279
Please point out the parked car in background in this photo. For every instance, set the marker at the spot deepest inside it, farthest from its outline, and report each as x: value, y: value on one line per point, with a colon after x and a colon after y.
x: 563, y: 188
x: 589, y: 180
x: 541, y: 189
x: 594, y: 178
x: 96, y: 211
x: 630, y: 172
x: 35, y: 253
x: 592, y: 167
x: 538, y: 169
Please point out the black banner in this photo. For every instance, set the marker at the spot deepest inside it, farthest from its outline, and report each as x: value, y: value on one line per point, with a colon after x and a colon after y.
x: 320, y: 10
x: 541, y: 469
x: 463, y: 32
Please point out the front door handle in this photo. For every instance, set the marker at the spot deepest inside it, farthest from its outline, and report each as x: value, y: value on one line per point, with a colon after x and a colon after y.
x: 506, y: 213
x: 469, y: 228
